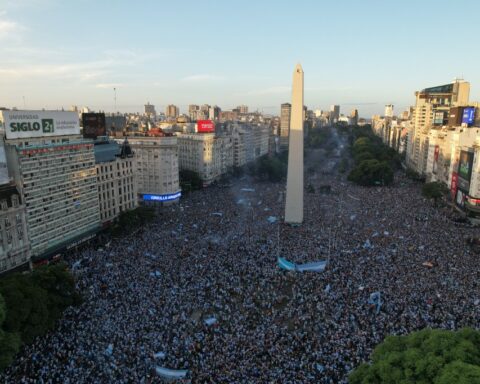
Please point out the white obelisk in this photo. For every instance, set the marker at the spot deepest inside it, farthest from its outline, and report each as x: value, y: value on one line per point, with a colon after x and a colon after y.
x: 294, y: 201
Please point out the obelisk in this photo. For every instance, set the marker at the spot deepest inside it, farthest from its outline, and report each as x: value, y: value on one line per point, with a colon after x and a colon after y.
x: 294, y: 200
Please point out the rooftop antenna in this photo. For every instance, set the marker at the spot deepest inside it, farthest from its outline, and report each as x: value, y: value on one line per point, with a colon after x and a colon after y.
x: 115, y: 100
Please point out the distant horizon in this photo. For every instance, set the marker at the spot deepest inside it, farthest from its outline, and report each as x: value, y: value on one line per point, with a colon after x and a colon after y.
x: 342, y: 113
x: 353, y: 54
x: 183, y: 109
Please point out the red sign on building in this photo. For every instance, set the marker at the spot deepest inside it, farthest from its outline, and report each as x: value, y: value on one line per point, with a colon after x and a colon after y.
x: 454, y: 184
x: 205, y: 126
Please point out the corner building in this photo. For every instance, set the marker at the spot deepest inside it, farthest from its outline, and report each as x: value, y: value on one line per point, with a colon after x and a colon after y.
x: 156, y: 163
x: 54, y: 170
x: 207, y: 155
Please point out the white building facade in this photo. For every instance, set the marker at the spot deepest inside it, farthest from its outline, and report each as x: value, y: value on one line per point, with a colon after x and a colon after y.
x: 207, y: 155
x: 116, y: 180
x: 432, y: 108
x: 14, y: 242
x: 156, y: 167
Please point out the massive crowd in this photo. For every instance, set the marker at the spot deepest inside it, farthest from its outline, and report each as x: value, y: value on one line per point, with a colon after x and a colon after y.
x: 213, y: 256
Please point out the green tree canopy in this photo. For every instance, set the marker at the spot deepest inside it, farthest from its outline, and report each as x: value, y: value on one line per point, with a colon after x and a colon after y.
x: 131, y: 220
x: 190, y: 180
x: 433, y: 190
x: 272, y: 168
x: 372, y: 172
x: 317, y: 138
x: 9, y: 342
x: 60, y: 286
x: 27, y: 311
x: 365, y: 155
x: 30, y: 304
x: 424, y: 357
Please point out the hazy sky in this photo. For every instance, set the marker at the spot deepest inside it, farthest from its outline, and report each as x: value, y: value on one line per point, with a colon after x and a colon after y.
x: 358, y: 53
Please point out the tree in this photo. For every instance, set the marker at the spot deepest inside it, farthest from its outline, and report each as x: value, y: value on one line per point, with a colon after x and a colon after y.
x: 268, y: 168
x: 9, y: 342
x: 238, y: 171
x: 131, y: 220
x: 60, y: 287
x: 433, y: 190
x: 361, y: 156
x: 30, y: 304
x: 317, y: 138
x: 190, y: 180
x: 27, y: 312
x: 427, y: 357
x: 414, y: 175
x: 372, y: 172
x: 9, y: 347
x: 343, y: 165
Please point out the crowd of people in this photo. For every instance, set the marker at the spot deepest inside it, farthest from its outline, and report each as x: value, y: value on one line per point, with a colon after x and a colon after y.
x: 213, y: 256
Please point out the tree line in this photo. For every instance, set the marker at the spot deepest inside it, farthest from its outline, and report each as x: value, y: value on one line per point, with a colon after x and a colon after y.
x: 374, y: 162
x: 30, y: 305
x: 427, y: 356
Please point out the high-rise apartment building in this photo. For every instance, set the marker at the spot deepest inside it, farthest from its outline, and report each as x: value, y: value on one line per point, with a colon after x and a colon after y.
x: 214, y: 112
x: 354, y: 117
x: 432, y: 109
x: 334, y: 113
x: 204, y: 112
x: 54, y: 170
x: 285, y: 112
x: 172, y: 111
x: 193, y: 112
x: 150, y: 110
x: 389, y: 110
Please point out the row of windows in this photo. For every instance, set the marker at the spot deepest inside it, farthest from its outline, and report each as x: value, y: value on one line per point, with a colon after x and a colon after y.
x: 11, y: 262
x: 7, y: 222
x: 10, y: 234
x: 40, y: 244
x: 15, y: 202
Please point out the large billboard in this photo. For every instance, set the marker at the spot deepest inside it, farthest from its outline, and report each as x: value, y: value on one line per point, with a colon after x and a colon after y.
x: 465, y: 164
x: 27, y: 124
x: 205, y: 126
x: 468, y: 116
x: 93, y: 125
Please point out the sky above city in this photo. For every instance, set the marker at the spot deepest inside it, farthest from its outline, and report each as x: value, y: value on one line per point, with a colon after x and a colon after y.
x: 359, y: 54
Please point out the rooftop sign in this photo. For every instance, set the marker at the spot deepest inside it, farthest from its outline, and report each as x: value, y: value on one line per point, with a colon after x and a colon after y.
x: 32, y: 124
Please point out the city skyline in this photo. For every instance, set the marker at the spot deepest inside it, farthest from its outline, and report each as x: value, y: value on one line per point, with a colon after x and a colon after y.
x: 356, y: 55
